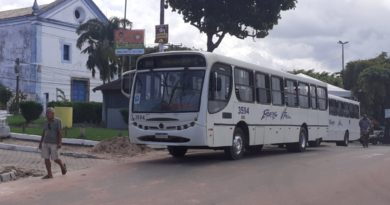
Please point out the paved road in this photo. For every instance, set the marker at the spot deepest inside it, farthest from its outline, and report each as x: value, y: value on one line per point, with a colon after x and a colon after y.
x: 325, y: 175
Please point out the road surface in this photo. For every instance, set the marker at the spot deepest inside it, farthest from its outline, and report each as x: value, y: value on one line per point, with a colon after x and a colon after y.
x: 324, y: 175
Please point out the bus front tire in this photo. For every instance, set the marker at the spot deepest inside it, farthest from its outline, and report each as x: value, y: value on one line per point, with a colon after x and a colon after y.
x: 299, y: 146
x: 177, y: 152
x: 236, y: 151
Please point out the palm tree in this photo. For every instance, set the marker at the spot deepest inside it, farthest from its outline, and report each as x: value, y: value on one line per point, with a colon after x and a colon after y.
x: 99, y: 38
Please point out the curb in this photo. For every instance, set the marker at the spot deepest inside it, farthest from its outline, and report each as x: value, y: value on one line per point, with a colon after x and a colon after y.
x: 36, y: 150
x: 68, y: 141
x: 19, y: 148
x: 9, y: 176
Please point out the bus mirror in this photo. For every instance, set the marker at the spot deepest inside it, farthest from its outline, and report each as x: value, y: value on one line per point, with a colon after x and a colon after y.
x: 126, y: 82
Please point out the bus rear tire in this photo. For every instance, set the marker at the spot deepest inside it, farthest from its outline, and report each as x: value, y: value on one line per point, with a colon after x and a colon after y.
x: 299, y: 146
x: 177, y: 152
x: 236, y: 151
x: 345, y: 142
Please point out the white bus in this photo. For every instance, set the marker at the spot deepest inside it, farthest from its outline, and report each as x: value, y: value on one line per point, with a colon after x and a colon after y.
x: 188, y: 99
x: 343, y: 120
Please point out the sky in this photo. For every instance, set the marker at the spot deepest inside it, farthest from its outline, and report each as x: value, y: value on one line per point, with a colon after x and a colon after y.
x: 305, y: 37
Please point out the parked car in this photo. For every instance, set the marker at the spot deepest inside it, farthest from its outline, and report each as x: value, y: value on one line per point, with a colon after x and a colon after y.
x: 376, y: 136
x: 4, y: 128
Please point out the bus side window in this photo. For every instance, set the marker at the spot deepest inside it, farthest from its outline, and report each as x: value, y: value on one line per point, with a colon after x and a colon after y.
x: 322, y: 98
x: 220, y: 87
x: 243, y: 80
x: 277, y: 90
x: 263, y: 93
x: 303, y: 95
x: 290, y: 93
x: 313, y: 97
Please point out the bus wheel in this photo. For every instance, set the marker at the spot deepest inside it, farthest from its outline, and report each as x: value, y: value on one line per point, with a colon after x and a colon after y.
x: 177, y: 152
x: 345, y: 141
x: 299, y: 146
x: 236, y: 151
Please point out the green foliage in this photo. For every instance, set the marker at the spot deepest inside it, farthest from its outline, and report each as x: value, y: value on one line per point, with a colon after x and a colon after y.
x: 5, y: 96
x: 242, y: 19
x: 90, y: 112
x: 99, y: 38
x: 83, y: 112
x: 330, y: 78
x: 369, y: 81
x: 31, y: 110
x: 125, y: 115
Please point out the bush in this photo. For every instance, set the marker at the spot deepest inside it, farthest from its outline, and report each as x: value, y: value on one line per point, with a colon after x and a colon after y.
x: 125, y: 115
x: 5, y: 95
x: 31, y: 110
x: 83, y: 112
x: 90, y: 112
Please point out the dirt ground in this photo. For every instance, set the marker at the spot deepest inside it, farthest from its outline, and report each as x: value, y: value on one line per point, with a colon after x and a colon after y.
x: 118, y: 149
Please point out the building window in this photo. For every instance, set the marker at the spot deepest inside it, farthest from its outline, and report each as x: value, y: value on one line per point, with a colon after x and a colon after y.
x: 79, y: 15
x: 79, y: 90
x: 244, y: 84
x: 263, y: 94
x: 66, y: 53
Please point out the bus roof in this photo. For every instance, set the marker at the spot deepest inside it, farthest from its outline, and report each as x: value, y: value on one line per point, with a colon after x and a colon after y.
x: 212, y: 58
x: 335, y: 97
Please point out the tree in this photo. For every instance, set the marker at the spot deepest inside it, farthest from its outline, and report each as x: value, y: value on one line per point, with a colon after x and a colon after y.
x: 242, y: 19
x: 99, y: 37
x: 31, y: 110
x: 330, y: 78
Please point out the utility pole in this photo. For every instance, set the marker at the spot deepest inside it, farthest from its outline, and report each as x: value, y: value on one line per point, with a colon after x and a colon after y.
x: 342, y: 54
x: 17, y: 72
x: 162, y: 7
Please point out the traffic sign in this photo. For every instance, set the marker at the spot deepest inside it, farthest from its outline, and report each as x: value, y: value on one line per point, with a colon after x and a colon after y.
x: 162, y: 33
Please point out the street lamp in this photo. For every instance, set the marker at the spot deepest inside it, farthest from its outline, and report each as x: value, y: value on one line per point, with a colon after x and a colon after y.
x: 342, y: 53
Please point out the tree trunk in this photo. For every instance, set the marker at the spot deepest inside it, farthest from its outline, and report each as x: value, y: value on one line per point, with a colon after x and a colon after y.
x: 210, y: 44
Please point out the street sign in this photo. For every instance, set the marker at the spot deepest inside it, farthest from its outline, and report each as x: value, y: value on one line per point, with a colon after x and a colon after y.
x: 129, y: 42
x: 387, y: 113
x: 162, y: 33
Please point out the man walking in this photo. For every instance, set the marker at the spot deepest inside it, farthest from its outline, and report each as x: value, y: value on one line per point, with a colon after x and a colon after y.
x: 365, y: 126
x: 50, y: 142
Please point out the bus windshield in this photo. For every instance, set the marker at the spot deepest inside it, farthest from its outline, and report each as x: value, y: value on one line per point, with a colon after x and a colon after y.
x: 168, y: 91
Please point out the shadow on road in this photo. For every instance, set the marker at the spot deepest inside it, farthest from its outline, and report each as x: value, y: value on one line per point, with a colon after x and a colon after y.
x: 208, y: 157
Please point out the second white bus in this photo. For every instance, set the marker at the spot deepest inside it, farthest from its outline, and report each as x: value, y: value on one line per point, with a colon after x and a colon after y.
x: 343, y: 120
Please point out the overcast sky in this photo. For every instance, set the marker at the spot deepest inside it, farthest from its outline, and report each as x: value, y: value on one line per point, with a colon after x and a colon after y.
x: 305, y: 38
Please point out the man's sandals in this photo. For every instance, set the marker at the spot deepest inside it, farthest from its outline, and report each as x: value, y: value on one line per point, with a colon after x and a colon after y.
x: 63, y: 171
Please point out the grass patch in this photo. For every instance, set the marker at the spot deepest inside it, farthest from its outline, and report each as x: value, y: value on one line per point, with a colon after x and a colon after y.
x: 35, y: 128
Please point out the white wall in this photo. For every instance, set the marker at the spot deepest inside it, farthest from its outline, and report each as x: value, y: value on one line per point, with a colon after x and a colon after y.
x: 57, y: 73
